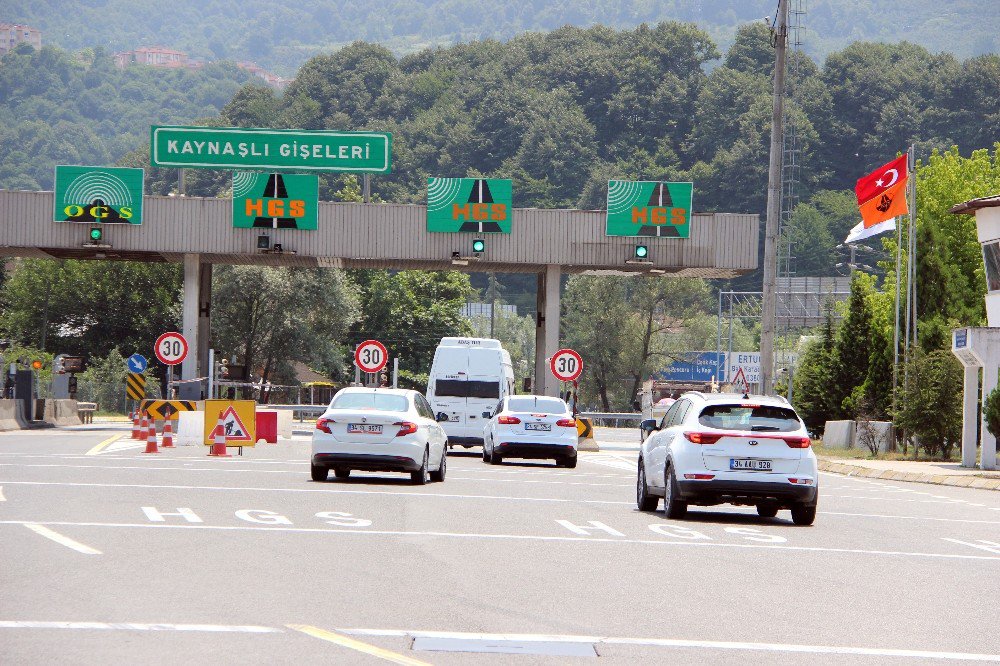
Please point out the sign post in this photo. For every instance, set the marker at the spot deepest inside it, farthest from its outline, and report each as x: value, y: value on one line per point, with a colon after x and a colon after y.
x: 171, y: 348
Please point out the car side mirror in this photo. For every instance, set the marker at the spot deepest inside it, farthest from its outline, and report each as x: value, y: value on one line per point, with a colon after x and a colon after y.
x: 648, y: 426
x: 441, y: 417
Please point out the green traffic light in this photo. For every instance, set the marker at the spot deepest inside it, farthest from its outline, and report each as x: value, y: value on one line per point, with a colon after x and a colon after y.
x: 478, y: 245
x: 96, y: 233
x: 641, y: 251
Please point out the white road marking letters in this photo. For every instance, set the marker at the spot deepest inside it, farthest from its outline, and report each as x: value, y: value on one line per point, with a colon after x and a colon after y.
x: 158, y: 517
x: 584, y: 530
x: 262, y: 516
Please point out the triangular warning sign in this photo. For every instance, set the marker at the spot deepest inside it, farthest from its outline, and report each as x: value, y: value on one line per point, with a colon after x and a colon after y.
x: 234, y: 429
x: 740, y: 381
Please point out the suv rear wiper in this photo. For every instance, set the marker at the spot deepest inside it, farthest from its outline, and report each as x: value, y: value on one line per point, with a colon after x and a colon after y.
x: 763, y: 428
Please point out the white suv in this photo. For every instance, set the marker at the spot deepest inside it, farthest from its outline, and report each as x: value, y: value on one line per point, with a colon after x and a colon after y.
x: 717, y: 448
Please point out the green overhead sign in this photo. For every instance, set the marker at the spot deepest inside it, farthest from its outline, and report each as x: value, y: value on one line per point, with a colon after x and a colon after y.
x: 649, y: 208
x: 477, y: 205
x: 275, y: 201
x: 98, y: 194
x: 270, y: 149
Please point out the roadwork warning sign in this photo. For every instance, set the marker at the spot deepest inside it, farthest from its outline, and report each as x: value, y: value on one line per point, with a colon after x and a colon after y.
x: 238, y: 421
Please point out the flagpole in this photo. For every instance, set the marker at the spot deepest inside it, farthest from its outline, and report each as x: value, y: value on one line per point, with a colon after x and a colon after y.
x: 912, y: 167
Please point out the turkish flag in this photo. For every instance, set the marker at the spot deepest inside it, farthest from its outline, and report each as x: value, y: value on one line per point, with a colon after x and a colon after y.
x: 882, y: 193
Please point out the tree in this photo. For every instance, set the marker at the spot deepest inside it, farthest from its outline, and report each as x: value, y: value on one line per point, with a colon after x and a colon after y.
x: 931, y: 402
x: 991, y: 412
x: 814, y: 400
x: 851, y: 352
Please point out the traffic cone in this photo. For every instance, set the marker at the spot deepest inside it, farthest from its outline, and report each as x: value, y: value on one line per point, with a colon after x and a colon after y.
x: 168, y: 435
x: 143, y: 427
x: 219, y: 440
x: 151, y: 438
x: 136, y: 433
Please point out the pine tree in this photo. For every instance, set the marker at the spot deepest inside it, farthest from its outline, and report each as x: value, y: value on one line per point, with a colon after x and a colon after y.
x: 853, y: 346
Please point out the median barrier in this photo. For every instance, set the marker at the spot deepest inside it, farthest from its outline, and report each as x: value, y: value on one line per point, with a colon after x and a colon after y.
x: 839, y: 434
x: 267, y: 425
x: 10, y: 416
x: 585, y: 435
x: 284, y: 424
x: 190, y: 429
x: 62, y: 412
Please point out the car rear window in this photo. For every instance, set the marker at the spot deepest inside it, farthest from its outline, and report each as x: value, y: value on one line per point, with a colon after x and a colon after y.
x: 459, y: 388
x: 540, y: 405
x: 381, y: 401
x: 753, y: 418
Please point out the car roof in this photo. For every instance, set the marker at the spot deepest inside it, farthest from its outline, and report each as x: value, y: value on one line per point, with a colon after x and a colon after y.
x: 714, y: 398
x: 382, y: 390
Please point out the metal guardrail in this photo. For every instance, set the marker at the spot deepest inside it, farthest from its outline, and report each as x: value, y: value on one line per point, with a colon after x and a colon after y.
x: 301, y: 409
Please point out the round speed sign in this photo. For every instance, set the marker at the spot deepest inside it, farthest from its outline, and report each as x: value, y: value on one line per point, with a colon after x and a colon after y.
x: 566, y: 365
x: 371, y: 356
x: 171, y: 348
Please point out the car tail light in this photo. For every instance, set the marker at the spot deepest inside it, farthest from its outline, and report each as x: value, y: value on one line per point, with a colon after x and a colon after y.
x: 700, y: 477
x: 801, y: 482
x: 508, y: 420
x: 566, y: 423
x: 405, y: 428
x: 798, y: 442
x: 321, y: 424
x: 702, y: 437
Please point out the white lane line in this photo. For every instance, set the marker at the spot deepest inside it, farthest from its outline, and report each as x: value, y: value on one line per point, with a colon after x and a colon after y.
x: 680, y: 643
x: 60, y: 539
x: 132, y: 626
x: 353, y: 644
x: 512, y: 537
x: 988, y: 546
x: 321, y: 489
x: 895, y: 517
x: 2, y: 498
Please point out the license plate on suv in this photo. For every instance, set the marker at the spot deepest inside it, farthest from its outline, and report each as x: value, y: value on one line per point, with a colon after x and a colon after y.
x: 538, y: 426
x: 364, y: 429
x: 750, y: 464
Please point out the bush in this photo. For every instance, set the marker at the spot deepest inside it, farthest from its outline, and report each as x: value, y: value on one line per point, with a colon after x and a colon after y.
x: 991, y: 412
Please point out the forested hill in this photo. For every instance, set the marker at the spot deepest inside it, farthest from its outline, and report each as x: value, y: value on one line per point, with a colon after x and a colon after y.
x: 282, y: 34
x: 61, y: 108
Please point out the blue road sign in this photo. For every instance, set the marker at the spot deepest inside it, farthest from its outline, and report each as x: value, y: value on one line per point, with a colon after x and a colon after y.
x: 695, y: 367
x: 136, y: 363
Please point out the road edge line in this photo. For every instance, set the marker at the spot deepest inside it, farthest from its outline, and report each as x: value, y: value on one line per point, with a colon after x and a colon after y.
x: 356, y: 645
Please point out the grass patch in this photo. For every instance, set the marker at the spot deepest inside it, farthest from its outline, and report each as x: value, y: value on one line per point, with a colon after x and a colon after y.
x: 865, y: 454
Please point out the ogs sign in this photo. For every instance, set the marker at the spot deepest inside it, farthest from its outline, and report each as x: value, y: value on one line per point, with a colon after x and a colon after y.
x: 98, y: 194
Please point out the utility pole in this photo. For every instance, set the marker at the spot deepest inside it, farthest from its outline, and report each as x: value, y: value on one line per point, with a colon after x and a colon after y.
x: 767, y: 324
x: 493, y: 303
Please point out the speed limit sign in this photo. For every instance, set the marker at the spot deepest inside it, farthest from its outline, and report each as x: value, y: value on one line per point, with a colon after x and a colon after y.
x: 171, y: 348
x: 370, y: 356
x: 566, y: 365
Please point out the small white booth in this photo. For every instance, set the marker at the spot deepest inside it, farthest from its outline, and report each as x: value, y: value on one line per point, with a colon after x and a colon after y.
x: 979, y: 347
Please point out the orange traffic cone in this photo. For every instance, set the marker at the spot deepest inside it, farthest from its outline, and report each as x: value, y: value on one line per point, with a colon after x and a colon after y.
x: 136, y: 433
x: 151, y: 438
x: 219, y: 440
x: 168, y: 435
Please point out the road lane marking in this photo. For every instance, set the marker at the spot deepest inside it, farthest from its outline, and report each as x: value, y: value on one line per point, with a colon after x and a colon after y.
x: 679, y: 643
x: 132, y: 626
x: 2, y: 498
x: 988, y: 546
x: 356, y: 645
x: 103, y: 445
x: 509, y: 537
x: 60, y: 539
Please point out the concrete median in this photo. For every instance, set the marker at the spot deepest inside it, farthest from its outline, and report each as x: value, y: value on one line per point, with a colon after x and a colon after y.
x: 11, y: 416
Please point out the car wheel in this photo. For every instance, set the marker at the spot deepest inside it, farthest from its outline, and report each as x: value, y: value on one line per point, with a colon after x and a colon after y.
x: 767, y: 510
x: 672, y: 505
x: 643, y: 499
x: 442, y: 468
x: 319, y: 472
x: 495, y: 459
x: 341, y: 473
x: 569, y: 462
x: 486, y: 456
x: 803, y: 514
x: 420, y: 476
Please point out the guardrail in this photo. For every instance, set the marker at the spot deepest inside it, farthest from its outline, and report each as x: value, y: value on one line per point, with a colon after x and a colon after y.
x: 301, y: 409
x: 86, y: 411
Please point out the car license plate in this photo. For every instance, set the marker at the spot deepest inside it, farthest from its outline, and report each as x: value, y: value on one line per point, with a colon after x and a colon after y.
x: 364, y: 429
x: 750, y: 464
x: 538, y: 426
x: 453, y: 418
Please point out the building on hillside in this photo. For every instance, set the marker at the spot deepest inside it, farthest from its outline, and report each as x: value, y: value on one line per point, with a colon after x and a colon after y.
x: 12, y: 34
x: 271, y: 79
x: 156, y: 56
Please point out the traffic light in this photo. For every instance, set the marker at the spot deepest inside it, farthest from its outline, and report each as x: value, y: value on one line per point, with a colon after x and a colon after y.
x: 641, y: 252
x: 478, y: 245
x: 96, y: 234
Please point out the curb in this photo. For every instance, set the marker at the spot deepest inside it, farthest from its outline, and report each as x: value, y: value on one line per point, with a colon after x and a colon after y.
x: 964, y: 481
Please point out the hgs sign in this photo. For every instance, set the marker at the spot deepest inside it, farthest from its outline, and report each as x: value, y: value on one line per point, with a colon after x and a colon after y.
x: 275, y: 201
x: 98, y: 195
x: 479, y: 205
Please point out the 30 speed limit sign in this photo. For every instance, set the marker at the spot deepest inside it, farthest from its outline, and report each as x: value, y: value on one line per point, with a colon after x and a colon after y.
x: 171, y: 348
x: 370, y: 356
x: 566, y: 365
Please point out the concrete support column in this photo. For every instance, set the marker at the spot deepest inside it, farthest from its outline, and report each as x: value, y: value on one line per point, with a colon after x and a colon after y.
x: 547, y: 329
x: 204, y: 319
x: 970, y: 405
x: 988, y: 453
x: 189, y: 326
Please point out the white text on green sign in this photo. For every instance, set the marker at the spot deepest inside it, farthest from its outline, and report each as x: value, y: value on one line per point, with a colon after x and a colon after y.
x: 98, y: 194
x: 271, y: 149
x: 649, y: 208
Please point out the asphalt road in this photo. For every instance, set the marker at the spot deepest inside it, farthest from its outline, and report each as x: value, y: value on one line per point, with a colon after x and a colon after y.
x: 111, y: 555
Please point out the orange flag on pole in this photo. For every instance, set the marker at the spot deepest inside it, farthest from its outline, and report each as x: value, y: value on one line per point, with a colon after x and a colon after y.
x: 882, y: 193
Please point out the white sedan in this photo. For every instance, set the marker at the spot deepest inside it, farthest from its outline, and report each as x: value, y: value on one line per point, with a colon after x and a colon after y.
x: 379, y: 430
x: 530, y: 426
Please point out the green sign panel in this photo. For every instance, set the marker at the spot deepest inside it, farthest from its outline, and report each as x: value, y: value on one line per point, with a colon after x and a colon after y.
x: 275, y: 201
x: 97, y: 194
x: 270, y: 149
x: 649, y: 208
x: 478, y: 205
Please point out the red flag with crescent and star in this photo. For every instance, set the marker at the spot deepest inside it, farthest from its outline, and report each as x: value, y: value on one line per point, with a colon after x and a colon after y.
x: 882, y: 193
